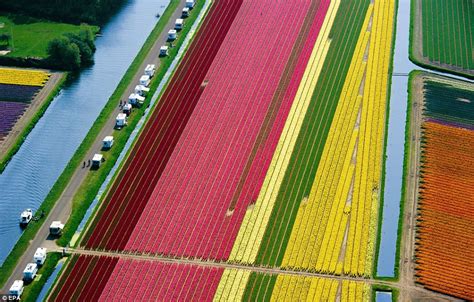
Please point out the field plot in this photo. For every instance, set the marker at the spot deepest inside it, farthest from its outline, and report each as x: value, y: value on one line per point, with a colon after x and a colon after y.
x: 266, y: 149
x: 112, y: 279
x: 443, y: 34
x: 320, y: 213
x: 17, y: 89
x: 445, y: 203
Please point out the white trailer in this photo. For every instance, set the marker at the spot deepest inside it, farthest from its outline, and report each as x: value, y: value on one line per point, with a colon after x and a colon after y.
x: 172, y: 35
x: 97, y: 160
x: 40, y: 256
x: 121, y: 120
x: 141, y: 90
x: 29, y: 273
x: 163, y: 51
x: 185, y: 12
x: 108, y: 140
x: 136, y: 99
x: 190, y: 3
x: 127, y: 109
x: 16, y: 290
x: 145, y: 80
x: 150, y: 70
x: 26, y: 217
x: 56, y: 228
x: 178, y: 25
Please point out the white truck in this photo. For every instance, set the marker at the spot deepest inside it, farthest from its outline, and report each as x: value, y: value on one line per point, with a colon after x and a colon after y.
x: 185, y: 12
x: 108, y: 141
x: 16, y: 290
x: 136, y: 99
x: 150, y: 70
x: 145, y: 80
x: 40, y: 256
x: 164, y: 51
x: 141, y: 90
x: 120, y: 120
x: 56, y: 228
x: 190, y: 3
x: 29, y: 273
x: 172, y: 35
x: 178, y: 25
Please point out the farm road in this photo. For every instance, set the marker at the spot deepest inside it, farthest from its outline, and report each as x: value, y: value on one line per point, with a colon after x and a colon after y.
x: 62, y: 208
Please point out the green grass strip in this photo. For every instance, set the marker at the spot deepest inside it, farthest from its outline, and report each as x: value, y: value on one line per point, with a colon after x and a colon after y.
x: 86, y: 195
x: 310, y: 142
x: 259, y: 287
x: 5, y: 159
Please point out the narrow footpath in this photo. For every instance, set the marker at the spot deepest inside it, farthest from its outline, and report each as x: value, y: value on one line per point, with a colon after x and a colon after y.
x: 62, y: 208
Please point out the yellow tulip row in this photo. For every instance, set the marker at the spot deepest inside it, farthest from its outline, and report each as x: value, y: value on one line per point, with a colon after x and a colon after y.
x: 317, y: 237
x: 298, y: 288
x: 232, y: 285
x: 255, y: 221
x: 353, y: 291
x: 366, y: 193
x: 23, y: 77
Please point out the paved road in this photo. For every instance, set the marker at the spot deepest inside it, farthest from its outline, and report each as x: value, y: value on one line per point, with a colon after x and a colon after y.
x: 62, y: 208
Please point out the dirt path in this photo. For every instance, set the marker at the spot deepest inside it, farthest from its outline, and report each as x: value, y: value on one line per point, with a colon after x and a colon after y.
x: 30, y: 112
x: 62, y: 207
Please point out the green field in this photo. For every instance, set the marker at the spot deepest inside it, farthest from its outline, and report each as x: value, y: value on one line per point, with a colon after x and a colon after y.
x: 447, y: 32
x: 30, y: 37
x: 310, y: 144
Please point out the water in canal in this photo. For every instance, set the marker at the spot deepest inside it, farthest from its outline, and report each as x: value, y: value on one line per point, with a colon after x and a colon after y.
x: 34, y: 169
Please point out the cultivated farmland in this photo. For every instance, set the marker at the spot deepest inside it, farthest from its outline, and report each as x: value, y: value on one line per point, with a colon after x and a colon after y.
x: 443, y: 34
x: 17, y: 89
x: 445, y: 198
x: 265, y: 151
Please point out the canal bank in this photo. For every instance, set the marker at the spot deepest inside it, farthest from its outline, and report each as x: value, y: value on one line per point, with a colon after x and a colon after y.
x: 46, y: 151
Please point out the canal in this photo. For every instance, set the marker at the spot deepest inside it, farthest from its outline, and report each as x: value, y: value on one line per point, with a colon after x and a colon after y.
x: 48, y: 148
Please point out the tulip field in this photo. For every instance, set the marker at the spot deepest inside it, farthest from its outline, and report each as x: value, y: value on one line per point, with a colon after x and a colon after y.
x: 446, y: 209
x: 265, y: 150
x: 447, y: 33
x: 17, y: 89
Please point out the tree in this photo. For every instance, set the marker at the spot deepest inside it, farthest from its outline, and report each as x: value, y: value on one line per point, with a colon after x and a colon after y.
x: 64, y: 54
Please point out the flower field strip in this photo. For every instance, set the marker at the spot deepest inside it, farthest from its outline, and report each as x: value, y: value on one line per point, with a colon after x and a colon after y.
x: 447, y: 32
x: 303, y: 163
x: 96, y: 278
x: 263, y: 150
x: 10, y: 112
x: 141, y: 280
x: 259, y: 287
x: 17, y: 93
x: 83, y: 282
x: 322, y: 218
x: 253, y: 226
x: 232, y: 285
x: 23, y: 77
x: 364, y: 211
x: 449, y: 101
x: 445, y: 209
x: 140, y: 173
x: 192, y: 198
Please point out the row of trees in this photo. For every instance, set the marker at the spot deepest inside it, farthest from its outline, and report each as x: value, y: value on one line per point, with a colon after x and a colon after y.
x: 71, y: 11
x: 72, y: 51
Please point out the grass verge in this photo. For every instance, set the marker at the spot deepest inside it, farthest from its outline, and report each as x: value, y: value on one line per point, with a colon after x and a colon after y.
x: 32, y: 291
x: 63, y: 180
x: 30, y: 125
